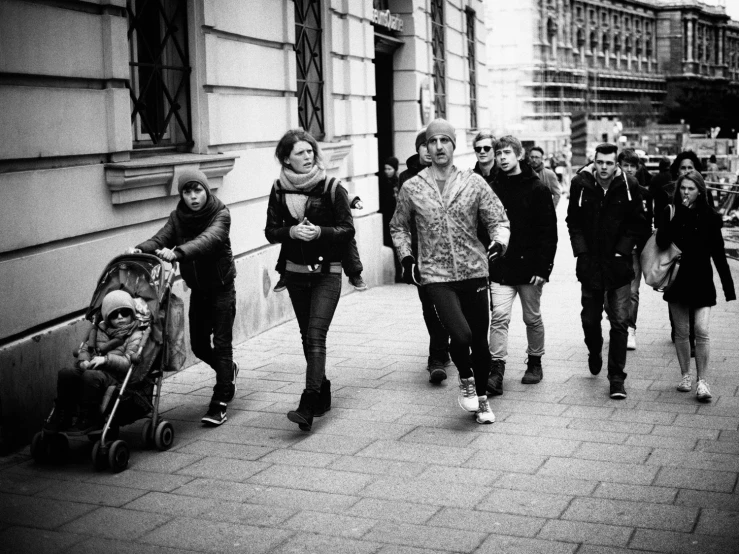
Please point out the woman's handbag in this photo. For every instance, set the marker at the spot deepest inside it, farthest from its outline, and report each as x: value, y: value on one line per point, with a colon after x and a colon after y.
x: 660, y: 267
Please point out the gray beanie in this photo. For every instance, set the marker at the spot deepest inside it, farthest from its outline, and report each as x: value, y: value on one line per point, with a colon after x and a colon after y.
x: 442, y: 127
x: 192, y: 176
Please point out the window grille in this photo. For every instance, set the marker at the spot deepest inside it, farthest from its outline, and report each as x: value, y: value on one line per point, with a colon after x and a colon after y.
x: 438, y: 52
x: 472, y: 64
x: 160, y: 73
x: 309, y: 55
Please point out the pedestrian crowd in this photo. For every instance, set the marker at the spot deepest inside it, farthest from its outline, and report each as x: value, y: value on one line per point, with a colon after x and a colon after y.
x: 470, y: 240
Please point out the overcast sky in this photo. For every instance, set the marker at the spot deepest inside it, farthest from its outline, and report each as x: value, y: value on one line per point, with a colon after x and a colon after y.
x: 732, y: 7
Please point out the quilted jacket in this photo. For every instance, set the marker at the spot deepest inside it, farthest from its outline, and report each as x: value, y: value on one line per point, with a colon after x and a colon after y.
x: 119, y: 358
x: 448, y: 247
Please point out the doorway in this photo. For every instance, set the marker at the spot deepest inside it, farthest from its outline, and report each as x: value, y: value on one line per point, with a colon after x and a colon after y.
x: 384, y: 105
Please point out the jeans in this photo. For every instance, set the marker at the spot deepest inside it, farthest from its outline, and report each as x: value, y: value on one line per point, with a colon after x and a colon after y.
x: 438, y: 336
x: 212, y: 313
x: 617, y: 308
x: 314, y: 297
x: 681, y: 317
x: 350, y: 262
x: 635, y: 283
x: 503, y: 297
x: 82, y: 387
x: 462, y: 307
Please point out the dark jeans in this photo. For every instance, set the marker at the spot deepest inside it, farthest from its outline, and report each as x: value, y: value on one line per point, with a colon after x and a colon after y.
x: 438, y: 336
x: 617, y: 303
x: 350, y: 262
x: 212, y: 313
x: 84, y: 388
x: 462, y: 307
x: 314, y: 297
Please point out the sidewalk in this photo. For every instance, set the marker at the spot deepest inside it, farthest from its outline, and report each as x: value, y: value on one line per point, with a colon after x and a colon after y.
x: 397, y: 467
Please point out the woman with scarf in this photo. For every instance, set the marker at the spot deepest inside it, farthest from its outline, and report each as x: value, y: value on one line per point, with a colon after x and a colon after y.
x: 695, y: 228
x: 196, y: 236
x: 310, y: 215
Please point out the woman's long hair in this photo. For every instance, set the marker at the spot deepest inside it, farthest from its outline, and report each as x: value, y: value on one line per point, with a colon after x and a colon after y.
x: 685, y: 155
x: 701, y: 203
x: 288, y: 140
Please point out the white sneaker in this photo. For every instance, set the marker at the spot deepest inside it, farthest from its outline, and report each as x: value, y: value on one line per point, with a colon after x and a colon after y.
x: 701, y: 391
x: 631, y: 340
x: 686, y: 385
x: 468, y: 395
x: 484, y: 413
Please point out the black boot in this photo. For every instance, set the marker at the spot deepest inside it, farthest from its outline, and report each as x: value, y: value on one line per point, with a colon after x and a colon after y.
x: 324, y: 399
x: 303, y: 416
x: 534, y: 371
x: 495, y: 380
x: 59, y: 419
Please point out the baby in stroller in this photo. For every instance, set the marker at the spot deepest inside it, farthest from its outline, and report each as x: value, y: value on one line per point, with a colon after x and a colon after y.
x: 102, y: 360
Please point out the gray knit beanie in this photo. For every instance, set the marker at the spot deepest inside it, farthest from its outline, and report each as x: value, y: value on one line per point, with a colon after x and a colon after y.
x: 442, y: 127
x: 192, y: 176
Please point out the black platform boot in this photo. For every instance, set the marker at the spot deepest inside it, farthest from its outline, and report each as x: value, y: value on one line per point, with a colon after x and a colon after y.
x: 303, y: 416
x: 534, y: 372
x: 324, y: 399
x: 495, y: 380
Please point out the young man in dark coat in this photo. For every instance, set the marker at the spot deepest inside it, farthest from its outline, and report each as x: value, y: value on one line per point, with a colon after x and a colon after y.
x: 528, y: 262
x: 605, y: 218
x: 197, y: 235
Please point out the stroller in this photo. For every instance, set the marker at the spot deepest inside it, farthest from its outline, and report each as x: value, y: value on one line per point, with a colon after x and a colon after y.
x: 148, y: 280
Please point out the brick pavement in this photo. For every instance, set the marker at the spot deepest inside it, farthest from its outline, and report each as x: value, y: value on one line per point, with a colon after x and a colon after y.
x: 397, y: 467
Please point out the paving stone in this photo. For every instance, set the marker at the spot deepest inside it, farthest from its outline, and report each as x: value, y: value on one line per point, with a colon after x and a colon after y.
x: 537, y: 446
x: 513, y: 404
x: 442, y: 437
x: 604, y: 437
x: 91, y: 493
x: 612, y: 452
x: 525, y: 503
x: 145, y: 480
x: 199, y: 449
x: 682, y: 543
x: 411, y: 452
x: 248, y: 514
x: 685, y: 432
x: 423, y: 491
x: 539, y: 420
x: 272, y: 438
x: 38, y: 512
x: 552, y: 485
x: 23, y: 483
x: 310, y: 478
x: 636, y: 493
x: 580, y: 532
x: 644, y: 415
x: 698, y: 479
x: 396, y: 510
x: 329, y: 444
x: 662, y: 442
x: 487, y: 522
x: 704, y: 499
x: 695, y: 460
x: 425, y: 536
x: 302, y: 543
x: 598, y: 471
x: 718, y: 522
x: 719, y: 447
x: 499, y: 544
x: 96, y: 545
x: 216, y: 489
x: 399, y: 549
x: 163, y: 462
x: 631, y: 428
x: 171, y: 504
x: 299, y: 458
x: 39, y: 541
x: 228, y: 469
x: 632, y: 514
x: 707, y: 422
x: 589, y: 412
x: 215, y: 536
x: 330, y: 524
x: 302, y: 499
x: 470, y: 477
x: 373, y: 466
x: 116, y: 523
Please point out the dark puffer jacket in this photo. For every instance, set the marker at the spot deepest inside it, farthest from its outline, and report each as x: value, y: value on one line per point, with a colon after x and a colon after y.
x: 530, y: 209
x: 205, y: 258
x: 602, y: 225
x: 333, y: 217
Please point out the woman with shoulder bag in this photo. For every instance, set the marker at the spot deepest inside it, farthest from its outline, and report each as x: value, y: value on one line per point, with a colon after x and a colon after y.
x: 696, y: 230
x: 310, y: 215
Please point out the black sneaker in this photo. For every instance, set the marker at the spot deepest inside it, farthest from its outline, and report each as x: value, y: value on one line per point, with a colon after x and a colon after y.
x: 595, y: 362
x: 358, y: 283
x: 233, y: 381
x: 437, y: 371
x: 216, y: 414
x: 281, y: 284
x: 618, y: 391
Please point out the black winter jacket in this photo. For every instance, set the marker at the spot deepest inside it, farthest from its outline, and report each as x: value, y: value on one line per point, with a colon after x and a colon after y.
x: 697, y: 233
x: 413, y: 168
x: 530, y: 209
x: 334, y: 219
x: 491, y: 177
x: 602, y: 225
x: 206, y: 261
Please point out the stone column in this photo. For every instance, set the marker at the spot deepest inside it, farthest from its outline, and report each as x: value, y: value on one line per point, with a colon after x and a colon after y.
x: 689, y: 35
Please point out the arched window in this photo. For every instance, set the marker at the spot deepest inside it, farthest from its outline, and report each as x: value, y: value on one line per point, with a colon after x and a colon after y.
x: 593, y: 42
x: 628, y: 45
x: 605, y: 42
x: 638, y: 47
x: 551, y: 30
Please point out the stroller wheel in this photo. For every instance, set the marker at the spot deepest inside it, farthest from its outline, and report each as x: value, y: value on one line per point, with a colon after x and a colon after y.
x: 99, y: 459
x: 58, y: 448
x: 118, y: 456
x: 40, y: 448
x: 147, y: 435
x: 164, y: 435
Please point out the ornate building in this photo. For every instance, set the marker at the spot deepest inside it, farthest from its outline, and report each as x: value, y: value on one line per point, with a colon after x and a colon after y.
x: 628, y: 60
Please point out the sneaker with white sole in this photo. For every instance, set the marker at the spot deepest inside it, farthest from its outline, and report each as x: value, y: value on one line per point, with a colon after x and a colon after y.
x: 468, y: 395
x: 216, y: 414
x: 358, y: 283
x: 631, y: 340
x: 686, y: 385
x: 701, y: 391
x: 484, y: 413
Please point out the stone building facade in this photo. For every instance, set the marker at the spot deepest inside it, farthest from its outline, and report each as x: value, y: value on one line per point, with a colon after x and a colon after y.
x: 105, y: 102
x: 612, y: 59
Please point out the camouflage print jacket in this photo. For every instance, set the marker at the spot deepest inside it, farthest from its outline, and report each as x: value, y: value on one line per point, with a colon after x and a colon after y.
x: 448, y: 247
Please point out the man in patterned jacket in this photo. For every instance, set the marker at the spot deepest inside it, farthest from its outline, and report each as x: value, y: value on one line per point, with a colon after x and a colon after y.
x: 447, y: 204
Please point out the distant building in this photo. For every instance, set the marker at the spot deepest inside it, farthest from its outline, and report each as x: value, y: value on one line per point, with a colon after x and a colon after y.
x: 611, y: 59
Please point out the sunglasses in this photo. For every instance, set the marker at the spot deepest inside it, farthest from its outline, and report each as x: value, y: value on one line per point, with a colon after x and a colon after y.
x: 119, y: 313
x: 479, y: 149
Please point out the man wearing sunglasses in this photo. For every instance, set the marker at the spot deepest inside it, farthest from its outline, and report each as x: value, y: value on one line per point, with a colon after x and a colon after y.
x: 485, y: 166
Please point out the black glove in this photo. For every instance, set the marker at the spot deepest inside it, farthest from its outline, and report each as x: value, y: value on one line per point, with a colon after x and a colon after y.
x: 495, y: 251
x: 411, y: 275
